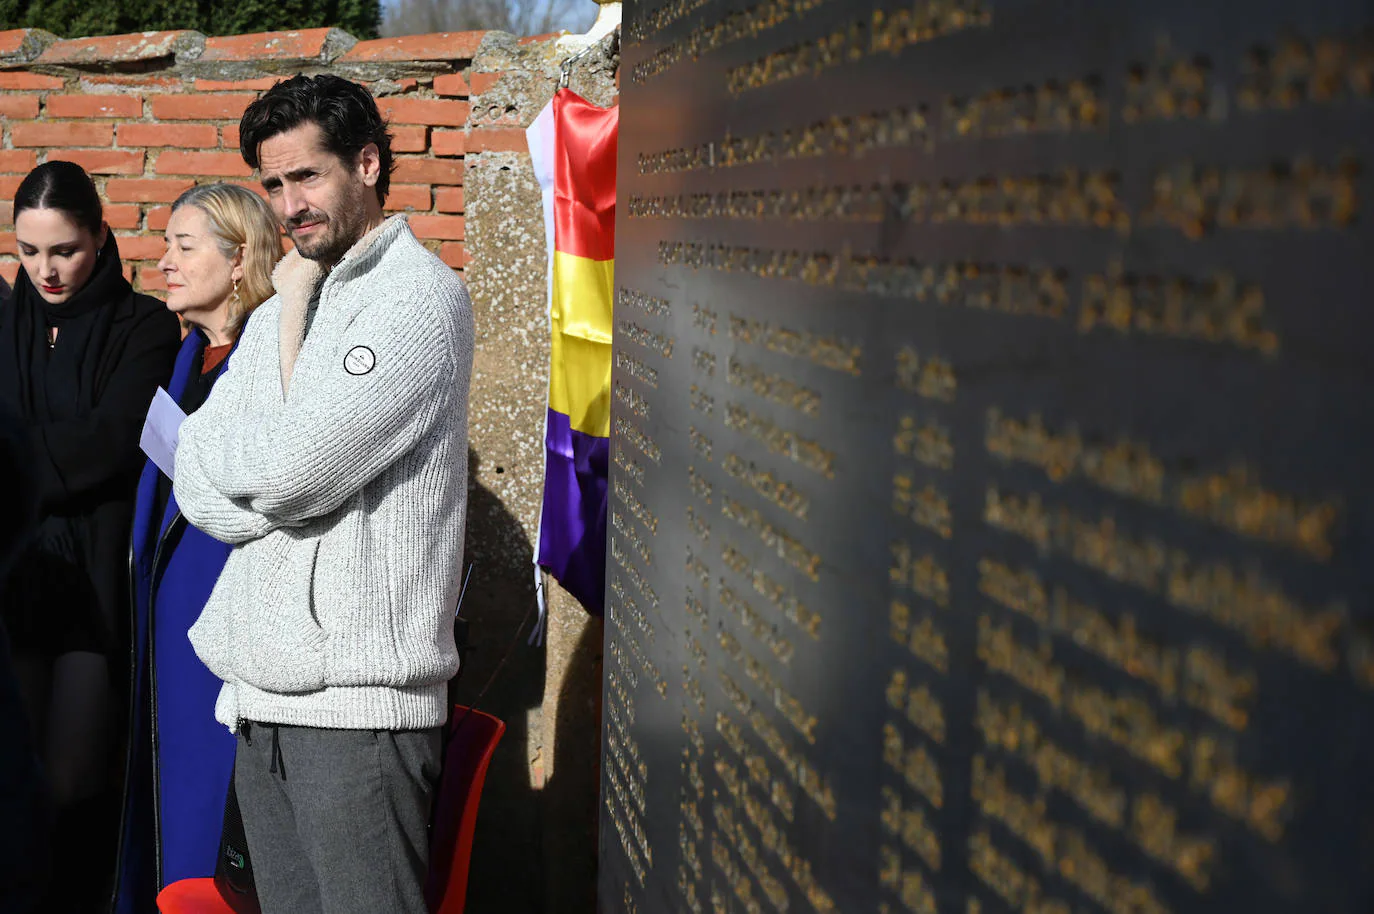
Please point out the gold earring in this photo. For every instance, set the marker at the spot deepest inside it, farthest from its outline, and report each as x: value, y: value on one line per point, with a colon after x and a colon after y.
x: 235, y: 301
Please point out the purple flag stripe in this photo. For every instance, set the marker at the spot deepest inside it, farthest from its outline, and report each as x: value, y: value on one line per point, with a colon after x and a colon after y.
x: 572, y: 529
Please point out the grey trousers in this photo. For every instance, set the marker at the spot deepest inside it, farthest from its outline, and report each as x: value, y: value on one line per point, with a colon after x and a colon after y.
x: 337, y: 820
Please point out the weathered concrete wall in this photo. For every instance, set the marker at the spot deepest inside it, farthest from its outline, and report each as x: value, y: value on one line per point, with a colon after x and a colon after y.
x: 556, y: 691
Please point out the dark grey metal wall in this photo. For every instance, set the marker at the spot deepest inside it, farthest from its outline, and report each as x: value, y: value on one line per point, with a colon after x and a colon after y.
x: 990, y: 515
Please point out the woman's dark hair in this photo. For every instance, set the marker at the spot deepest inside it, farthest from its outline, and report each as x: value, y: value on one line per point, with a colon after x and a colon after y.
x: 64, y: 186
x: 345, y: 112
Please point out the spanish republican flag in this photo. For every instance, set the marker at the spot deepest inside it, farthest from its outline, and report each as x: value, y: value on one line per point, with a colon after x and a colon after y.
x: 573, y: 148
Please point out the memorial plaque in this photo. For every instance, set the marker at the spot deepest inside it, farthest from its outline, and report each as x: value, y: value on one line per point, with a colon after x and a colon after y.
x: 989, y: 514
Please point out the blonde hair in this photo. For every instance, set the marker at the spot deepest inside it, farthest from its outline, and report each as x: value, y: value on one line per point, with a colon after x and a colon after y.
x: 240, y: 219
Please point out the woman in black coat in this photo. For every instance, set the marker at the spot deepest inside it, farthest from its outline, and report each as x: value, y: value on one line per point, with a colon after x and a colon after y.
x: 81, y: 355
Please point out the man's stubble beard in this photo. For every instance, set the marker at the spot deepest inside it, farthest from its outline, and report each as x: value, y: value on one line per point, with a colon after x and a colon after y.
x: 342, y: 231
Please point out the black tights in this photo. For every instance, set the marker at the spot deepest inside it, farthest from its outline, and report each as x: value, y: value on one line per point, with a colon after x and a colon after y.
x: 72, y: 709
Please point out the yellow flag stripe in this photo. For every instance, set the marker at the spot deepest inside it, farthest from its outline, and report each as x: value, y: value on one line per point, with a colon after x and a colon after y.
x: 580, y: 365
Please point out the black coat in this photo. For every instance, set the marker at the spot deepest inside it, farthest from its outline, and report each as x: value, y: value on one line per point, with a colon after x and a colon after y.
x: 82, y: 404
x: 24, y: 803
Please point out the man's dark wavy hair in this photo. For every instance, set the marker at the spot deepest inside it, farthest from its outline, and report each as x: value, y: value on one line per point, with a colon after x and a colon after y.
x: 346, y: 113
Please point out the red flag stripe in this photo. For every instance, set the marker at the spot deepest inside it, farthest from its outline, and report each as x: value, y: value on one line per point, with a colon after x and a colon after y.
x: 584, y: 177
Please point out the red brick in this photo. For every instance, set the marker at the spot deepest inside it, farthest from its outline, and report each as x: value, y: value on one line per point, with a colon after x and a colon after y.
x: 448, y: 228
x: 94, y: 106
x: 152, y: 279
x: 497, y: 139
x: 230, y: 134
x: 8, y: 185
x: 424, y: 111
x: 128, y: 271
x: 122, y: 215
x: 409, y: 196
x: 409, y: 139
x: 481, y: 82
x: 454, y: 254
x: 102, y: 161
x: 186, y: 136
x: 17, y: 162
x: 239, y: 85
x: 141, y: 247
x: 36, y: 134
x: 7, y: 243
x: 306, y: 44
x: 436, y: 46
x: 157, y: 218
x: 22, y: 80
x: 452, y: 85
x: 535, y: 39
x: 449, y: 199
x: 200, y: 107
x: 254, y: 186
x: 117, y: 48
x: 12, y: 41
x: 6, y: 212
x: 449, y: 142
x: 18, y: 106
x: 218, y: 164
x: 10, y: 271
x: 143, y: 190
x: 415, y: 170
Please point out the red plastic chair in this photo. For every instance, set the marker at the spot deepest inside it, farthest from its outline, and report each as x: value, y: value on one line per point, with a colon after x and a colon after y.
x: 472, y: 739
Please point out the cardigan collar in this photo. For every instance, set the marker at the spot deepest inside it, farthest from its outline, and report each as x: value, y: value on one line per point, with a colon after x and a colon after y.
x: 296, y: 280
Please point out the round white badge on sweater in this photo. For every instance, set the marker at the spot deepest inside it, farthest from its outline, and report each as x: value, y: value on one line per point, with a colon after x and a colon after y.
x: 360, y: 360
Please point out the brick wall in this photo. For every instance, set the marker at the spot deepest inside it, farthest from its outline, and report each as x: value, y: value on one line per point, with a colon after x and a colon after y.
x: 149, y: 115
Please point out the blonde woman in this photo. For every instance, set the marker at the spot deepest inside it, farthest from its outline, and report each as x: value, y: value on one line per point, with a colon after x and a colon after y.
x: 222, y: 244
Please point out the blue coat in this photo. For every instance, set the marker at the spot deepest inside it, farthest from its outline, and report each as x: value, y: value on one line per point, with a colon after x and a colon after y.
x: 180, y: 758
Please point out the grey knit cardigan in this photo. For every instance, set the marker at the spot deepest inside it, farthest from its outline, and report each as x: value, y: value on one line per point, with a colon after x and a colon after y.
x: 337, y: 465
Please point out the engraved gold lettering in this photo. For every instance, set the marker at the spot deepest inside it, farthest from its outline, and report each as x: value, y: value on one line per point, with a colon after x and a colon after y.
x: 635, y: 368
x: 640, y: 336
x: 923, y: 575
x: 631, y: 400
x: 923, y: 639
x: 783, y: 494
x: 1049, y: 107
x: 826, y: 351
x: 635, y: 507
x: 789, y: 706
x: 797, y: 767
x: 929, y: 444
x: 766, y: 634
x: 629, y: 432
x: 773, y: 387
x: 783, y: 600
x: 634, y: 298
x: 778, y: 541
x: 780, y: 441
x: 1218, y: 309
x: 916, y: 766
x: 908, y: 823
x: 1008, y: 728
x: 1299, y: 194
x: 928, y: 507
x: 919, y: 704
x: 628, y: 464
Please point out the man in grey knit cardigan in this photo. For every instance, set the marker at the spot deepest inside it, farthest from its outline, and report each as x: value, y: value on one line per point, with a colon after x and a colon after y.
x: 333, y: 455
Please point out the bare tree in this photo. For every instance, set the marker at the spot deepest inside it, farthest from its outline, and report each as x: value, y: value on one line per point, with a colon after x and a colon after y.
x: 520, y: 17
